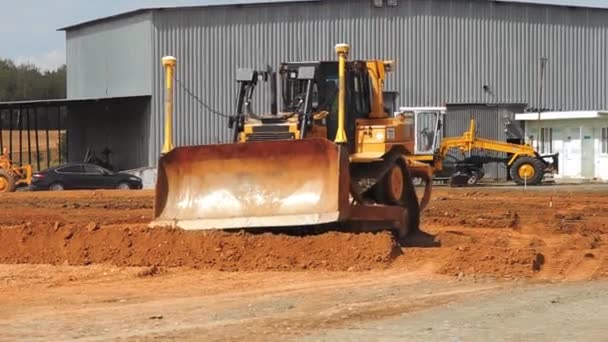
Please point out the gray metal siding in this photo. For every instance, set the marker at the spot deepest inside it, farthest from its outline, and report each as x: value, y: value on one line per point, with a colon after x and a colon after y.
x: 446, y: 51
x: 110, y: 59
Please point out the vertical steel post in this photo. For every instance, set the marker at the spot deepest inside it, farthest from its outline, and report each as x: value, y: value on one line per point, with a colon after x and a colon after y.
x: 29, y: 136
x: 543, y: 64
x: 59, y: 134
x: 67, y: 133
x: 342, y: 51
x: 1, y: 131
x: 10, y: 134
x: 20, y: 121
x: 48, y: 142
x: 169, y: 64
x: 37, y: 141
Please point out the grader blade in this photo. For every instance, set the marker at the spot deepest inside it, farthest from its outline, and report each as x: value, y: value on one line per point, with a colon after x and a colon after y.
x: 255, y: 184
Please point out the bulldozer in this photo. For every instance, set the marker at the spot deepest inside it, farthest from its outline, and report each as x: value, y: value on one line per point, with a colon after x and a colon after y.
x: 332, y: 155
x: 12, y: 176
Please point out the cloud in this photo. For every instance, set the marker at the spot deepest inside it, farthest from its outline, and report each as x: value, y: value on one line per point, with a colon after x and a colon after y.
x: 46, y: 62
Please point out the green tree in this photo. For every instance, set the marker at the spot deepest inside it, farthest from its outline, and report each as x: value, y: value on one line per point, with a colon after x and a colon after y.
x: 26, y: 82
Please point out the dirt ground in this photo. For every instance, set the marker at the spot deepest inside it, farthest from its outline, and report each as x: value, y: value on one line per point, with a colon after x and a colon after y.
x: 84, y: 265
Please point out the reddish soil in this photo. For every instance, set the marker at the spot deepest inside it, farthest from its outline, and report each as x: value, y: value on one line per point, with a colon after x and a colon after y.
x: 66, y: 268
x: 137, y: 245
x: 551, y: 233
x: 103, y: 207
x: 545, y: 233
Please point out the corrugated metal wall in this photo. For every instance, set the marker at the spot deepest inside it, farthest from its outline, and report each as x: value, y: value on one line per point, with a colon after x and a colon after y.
x: 446, y: 51
x: 495, y: 122
x: 110, y: 59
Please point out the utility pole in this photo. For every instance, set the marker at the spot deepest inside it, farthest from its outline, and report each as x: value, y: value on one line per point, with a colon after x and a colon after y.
x: 543, y: 65
x: 541, y: 102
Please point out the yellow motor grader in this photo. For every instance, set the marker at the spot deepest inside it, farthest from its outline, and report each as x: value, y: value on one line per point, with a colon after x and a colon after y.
x: 11, y: 176
x: 526, y: 166
x: 332, y: 155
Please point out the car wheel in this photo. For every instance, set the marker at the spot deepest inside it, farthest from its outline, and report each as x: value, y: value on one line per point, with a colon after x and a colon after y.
x: 123, y: 186
x: 56, y: 187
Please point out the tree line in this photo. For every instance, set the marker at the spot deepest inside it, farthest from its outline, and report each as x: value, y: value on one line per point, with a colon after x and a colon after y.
x: 27, y: 82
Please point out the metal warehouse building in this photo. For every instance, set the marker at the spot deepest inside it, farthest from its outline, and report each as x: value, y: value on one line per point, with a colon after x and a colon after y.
x: 446, y: 52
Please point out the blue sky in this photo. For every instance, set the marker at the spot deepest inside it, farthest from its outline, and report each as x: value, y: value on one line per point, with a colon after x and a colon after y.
x: 28, y: 28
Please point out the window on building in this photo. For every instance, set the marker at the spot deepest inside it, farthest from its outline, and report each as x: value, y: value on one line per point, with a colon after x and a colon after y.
x: 545, y: 141
x: 604, y: 140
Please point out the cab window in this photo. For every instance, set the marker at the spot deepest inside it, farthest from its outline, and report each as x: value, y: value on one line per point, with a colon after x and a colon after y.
x: 359, y: 92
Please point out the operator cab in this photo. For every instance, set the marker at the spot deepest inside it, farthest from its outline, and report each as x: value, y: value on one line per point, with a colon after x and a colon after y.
x: 312, y: 87
x: 309, y: 101
x: 428, y: 127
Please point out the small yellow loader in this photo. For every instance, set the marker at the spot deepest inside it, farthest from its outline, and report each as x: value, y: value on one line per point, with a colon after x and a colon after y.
x: 12, y: 176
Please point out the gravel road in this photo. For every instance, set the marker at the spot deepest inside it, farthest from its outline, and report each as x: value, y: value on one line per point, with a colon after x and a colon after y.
x: 559, y: 312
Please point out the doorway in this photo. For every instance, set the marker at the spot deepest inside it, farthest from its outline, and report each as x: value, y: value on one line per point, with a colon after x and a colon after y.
x: 571, y: 165
x: 588, y: 153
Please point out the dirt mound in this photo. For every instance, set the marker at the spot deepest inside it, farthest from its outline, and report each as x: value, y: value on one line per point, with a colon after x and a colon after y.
x: 547, y: 233
x: 138, y: 245
x: 504, y: 262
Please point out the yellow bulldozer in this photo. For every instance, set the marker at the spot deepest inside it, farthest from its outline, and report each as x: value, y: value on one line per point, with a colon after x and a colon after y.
x: 12, y: 176
x: 332, y: 155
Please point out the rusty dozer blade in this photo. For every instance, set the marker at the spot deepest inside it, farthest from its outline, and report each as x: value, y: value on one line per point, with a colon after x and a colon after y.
x: 255, y: 184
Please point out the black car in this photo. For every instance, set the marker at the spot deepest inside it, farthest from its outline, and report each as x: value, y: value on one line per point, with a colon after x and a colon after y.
x: 83, y: 176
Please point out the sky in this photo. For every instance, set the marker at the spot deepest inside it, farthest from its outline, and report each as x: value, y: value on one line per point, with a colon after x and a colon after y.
x: 28, y: 28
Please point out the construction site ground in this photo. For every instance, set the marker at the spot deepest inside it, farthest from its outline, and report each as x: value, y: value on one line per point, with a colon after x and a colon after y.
x: 493, y: 263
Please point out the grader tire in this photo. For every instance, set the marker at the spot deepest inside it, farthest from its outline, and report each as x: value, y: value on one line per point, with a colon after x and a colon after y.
x: 527, y: 170
x: 8, y: 181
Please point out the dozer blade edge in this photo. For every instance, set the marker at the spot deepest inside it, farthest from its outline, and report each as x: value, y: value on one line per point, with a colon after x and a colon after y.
x: 251, y: 185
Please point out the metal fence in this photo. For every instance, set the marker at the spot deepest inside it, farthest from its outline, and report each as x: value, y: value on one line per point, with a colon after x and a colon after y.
x: 34, y: 135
